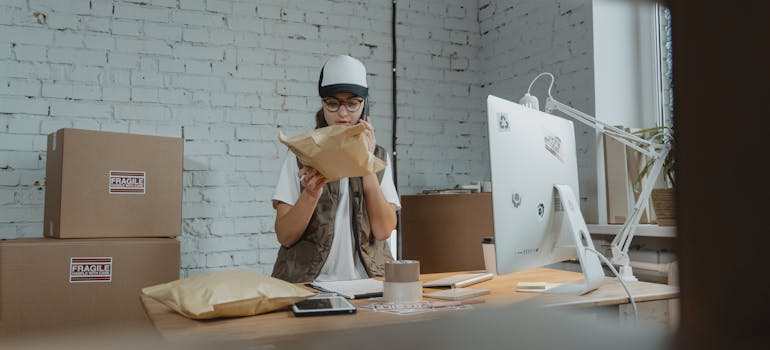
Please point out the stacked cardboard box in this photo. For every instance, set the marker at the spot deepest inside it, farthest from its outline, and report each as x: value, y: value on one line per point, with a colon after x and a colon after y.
x: 51, y: 284
x: 112, y: 212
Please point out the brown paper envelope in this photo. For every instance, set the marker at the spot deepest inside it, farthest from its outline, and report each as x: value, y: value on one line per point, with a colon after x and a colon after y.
x: 336, y: 151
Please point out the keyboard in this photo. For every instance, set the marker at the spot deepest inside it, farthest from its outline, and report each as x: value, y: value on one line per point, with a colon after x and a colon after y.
x: 460, y: 280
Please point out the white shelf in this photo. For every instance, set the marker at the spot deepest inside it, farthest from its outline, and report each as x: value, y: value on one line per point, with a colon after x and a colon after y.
x: 643, y: 230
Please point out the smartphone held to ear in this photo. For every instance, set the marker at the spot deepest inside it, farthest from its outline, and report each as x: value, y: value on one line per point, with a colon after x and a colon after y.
x: 327, y: 305
x: 365, y: 113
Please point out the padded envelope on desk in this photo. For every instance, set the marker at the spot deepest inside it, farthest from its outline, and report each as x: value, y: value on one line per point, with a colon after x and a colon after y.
x: 226, y: 294
x: 336, y: 151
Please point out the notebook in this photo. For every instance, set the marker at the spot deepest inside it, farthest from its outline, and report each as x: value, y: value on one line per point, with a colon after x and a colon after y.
x: 460, y: 280
x: 536, y: 287
x: 351, y: 289
x: 458, y: 293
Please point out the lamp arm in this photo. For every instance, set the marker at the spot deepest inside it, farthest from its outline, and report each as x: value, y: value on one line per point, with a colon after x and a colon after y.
x: 622, y: 240
x: 657, y: 151
x: 617, y: 133
x: 651, y: 150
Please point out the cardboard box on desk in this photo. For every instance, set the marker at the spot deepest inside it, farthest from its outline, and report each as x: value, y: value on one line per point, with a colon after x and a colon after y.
x: 49, y: 284
x: 106, y: 184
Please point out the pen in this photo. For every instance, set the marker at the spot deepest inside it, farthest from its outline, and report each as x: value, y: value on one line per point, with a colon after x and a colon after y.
x: 367, y: 295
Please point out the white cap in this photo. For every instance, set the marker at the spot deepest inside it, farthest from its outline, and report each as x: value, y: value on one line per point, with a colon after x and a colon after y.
x: 343, y: 74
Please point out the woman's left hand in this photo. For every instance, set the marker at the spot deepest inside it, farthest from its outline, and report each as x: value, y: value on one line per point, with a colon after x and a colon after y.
x: 369, y: 133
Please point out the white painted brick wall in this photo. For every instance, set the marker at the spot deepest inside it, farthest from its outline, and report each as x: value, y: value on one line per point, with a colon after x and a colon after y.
x: 228, y: 75
x: 440, y: 103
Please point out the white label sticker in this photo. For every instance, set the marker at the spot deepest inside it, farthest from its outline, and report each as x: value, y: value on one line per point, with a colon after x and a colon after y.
x: 91, y: 269
x: 503, y: 124
x: 122, y: 182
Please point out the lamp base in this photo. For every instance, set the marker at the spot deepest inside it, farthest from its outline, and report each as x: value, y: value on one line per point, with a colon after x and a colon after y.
x: 627, y: 274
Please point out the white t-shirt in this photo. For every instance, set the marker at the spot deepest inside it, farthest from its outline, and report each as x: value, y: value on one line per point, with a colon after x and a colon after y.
x: 341, y: 264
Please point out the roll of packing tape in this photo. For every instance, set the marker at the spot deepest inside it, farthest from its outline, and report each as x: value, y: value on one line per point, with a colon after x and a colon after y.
x: 402, y: 282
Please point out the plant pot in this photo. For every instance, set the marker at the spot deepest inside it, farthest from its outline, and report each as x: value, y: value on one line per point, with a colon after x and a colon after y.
x: 663, y: 203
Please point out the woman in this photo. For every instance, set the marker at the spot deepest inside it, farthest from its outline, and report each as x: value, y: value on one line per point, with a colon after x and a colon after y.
x: 335, y: 230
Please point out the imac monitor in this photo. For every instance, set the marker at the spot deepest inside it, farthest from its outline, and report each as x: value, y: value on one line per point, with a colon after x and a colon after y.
x: 536, y: 212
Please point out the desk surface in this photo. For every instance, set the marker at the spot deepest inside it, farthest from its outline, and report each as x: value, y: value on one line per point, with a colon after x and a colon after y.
x: 282, y: 325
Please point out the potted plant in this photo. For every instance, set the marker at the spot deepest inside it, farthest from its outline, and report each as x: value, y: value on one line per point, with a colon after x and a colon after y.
x: 662, y: 195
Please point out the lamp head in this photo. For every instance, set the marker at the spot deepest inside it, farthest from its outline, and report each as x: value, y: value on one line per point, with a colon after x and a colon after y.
x: 530, y: 101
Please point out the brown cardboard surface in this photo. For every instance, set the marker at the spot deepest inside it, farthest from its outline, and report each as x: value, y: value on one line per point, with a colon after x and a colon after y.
x: 636, y: 162
x: 78, y: 202
x: 617, y: 180
x: 621, y: 165
x: 444, y: 231
x: 36, y: 294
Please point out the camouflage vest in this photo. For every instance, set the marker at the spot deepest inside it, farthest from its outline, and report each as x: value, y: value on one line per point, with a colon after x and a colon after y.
x: 302, y: 262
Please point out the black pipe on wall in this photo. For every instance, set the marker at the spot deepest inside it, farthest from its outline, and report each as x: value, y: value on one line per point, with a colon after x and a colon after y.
x: 395, y: 122
x: 395, y: 105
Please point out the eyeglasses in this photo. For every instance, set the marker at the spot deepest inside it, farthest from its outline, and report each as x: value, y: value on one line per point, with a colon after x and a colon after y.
x: 352, y: 105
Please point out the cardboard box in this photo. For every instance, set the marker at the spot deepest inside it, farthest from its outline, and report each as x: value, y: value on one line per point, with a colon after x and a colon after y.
x: 51, y: 284
x: 444, y: 231
x: 617, y: 180
x: 621, y: 166
x: 636, y: 163
x: 106, y: 184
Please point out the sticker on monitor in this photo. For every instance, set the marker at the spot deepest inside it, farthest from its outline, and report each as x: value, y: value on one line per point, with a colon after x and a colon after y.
x: 553, y: 145
x: 516, y: 199
x: 503, y: 123
x: 541, y: 211
x: 127, y: 182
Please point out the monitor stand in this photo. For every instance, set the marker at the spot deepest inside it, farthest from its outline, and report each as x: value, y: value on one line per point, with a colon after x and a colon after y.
x: 576, y: 229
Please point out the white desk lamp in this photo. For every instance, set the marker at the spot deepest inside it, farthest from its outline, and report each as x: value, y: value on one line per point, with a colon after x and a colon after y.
x: 653, y: 150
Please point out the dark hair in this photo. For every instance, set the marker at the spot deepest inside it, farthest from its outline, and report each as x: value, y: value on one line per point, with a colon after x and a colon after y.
x: 320, y: 121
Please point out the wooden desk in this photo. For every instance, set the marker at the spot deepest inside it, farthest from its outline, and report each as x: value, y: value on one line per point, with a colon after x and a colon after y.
x: 282, y: 325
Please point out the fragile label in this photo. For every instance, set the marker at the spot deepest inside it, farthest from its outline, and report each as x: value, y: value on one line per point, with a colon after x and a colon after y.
x: 128, y: 181
x: 91, y: 269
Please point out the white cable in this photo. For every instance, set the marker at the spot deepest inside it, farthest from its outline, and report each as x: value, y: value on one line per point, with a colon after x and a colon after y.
x: 617, y: 275
x: 540, y: 75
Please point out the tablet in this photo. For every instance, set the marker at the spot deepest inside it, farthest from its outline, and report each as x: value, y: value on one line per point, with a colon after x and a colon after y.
x: 323, y: 306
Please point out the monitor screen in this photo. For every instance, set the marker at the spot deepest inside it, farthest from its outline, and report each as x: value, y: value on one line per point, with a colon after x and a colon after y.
x: 529, y: 152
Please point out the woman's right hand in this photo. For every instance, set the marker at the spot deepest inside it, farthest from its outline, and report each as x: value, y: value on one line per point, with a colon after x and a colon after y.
x: 312, y: 181
x: 292, y: 220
